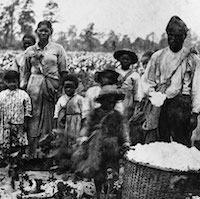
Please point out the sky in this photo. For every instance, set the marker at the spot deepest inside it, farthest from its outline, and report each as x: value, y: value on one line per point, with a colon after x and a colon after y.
x: 132, y: 17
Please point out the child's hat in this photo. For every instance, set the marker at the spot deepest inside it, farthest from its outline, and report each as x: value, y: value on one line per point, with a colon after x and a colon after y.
x: 110, y: 90
x: 111, y: 73
x: 117, y: 54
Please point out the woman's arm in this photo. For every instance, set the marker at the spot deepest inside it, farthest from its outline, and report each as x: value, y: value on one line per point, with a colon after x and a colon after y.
x: 62, y: 61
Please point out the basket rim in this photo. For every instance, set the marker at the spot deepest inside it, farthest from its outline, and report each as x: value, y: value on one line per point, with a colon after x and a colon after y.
x: 162, y: 168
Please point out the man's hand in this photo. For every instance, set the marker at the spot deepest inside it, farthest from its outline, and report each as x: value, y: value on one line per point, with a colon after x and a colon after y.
x: 193, y: 121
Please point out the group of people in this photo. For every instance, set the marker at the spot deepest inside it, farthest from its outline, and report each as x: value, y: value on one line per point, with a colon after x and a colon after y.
x: 40, y: 98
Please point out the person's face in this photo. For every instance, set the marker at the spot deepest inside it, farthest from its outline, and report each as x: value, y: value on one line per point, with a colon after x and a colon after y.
x: 125, y: 61
x: 27, y: 42
x: 176, y: 41
x: 43, y: 32
x: 108, y: 102
x: 140, y: 69
x: 144, y: 61
x: 12, y: 84
x: 106, y: 80
x: 69, y: 88
x: 143, y: 64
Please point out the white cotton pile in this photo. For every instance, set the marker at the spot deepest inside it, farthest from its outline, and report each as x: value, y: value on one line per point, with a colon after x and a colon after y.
x: 167, y: 155
x: 157, y: 98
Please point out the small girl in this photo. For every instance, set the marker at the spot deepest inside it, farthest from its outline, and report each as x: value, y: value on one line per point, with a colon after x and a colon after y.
x: 68, y: 115
x: 15, y: 111
x: 104, y: 134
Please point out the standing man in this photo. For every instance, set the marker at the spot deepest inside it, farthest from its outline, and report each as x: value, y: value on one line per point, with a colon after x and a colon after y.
x: 175, y: 71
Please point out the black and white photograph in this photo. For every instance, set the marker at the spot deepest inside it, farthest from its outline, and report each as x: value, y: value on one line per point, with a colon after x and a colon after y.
x: 99, y: 99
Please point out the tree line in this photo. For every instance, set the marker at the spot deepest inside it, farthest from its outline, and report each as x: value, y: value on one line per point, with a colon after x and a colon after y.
x: 12, y: 28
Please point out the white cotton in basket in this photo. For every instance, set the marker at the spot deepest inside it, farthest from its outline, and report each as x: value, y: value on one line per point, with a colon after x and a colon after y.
x: 157, y: 98
x: 166, y: 155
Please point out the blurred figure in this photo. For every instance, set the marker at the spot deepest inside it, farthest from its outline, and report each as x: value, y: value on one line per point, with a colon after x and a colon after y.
x: 104, y: 134
x: 103, y: 78
x: 137, y: 134
x: 19, y: 62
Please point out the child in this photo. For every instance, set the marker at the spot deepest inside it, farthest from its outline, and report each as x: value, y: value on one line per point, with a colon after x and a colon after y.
x: 19, y: 61
x: 15, y: 111
x: 104, y: 133
x: 128, y: 79
x: 104, y: 77
x: 68, y: 115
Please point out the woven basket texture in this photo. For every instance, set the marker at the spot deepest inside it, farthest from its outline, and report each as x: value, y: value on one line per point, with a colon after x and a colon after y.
x: 148, y: 182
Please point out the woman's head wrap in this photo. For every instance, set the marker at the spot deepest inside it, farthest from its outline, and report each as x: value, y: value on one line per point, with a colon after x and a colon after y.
x: 176, y: 26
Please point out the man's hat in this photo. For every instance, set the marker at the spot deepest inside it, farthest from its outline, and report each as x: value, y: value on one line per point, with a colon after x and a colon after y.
x: 110, y: 90
x: 117, y: 54
x: 177, y: 26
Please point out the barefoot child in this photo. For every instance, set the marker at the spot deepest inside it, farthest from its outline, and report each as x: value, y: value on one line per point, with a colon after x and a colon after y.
x: 68, y: 115
x: 15, y: 111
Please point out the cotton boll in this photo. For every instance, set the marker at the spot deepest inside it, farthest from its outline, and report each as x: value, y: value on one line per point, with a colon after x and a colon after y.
x: 157, y: 98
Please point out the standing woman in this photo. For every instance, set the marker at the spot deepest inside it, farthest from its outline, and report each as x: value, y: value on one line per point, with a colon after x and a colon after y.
x: 44, y: 67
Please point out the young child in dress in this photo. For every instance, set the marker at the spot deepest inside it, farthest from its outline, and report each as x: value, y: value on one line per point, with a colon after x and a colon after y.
x: 15, y: 111
x: 68, y: 117
x: 104, y: 134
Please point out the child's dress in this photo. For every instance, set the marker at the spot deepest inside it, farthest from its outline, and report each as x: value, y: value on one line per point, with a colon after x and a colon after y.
x: 68, y: 111
x: 15, y: 105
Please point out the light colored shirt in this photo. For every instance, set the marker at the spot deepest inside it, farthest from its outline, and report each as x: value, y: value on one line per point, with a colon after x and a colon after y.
x: 131, y: 82
x: 49, y: 61
x: 74, y: 105
x: 185, y: 79
x: 14, y: 106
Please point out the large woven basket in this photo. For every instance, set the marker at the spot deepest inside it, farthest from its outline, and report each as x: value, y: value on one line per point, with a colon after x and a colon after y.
x: 144, y: 181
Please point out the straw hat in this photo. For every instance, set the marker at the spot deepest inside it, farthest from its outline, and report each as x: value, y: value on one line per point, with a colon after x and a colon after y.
x: 117, y: 54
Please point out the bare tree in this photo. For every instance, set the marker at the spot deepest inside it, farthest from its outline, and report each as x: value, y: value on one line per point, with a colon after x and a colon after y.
x: 26, y: 17
x: 8, y: 21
